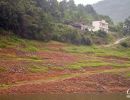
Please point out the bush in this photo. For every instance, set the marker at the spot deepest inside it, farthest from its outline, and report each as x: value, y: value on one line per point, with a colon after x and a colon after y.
x: 25, y: 19
x: 101, y: 33
x: 124, y: 44
x: 64, y: 33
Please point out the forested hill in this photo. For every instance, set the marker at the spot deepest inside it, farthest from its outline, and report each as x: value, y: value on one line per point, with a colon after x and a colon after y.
x: 118, y: 10
x: 44, y: 19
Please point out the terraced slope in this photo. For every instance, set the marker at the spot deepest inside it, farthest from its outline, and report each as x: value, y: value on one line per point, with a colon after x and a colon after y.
x: 37, y: 67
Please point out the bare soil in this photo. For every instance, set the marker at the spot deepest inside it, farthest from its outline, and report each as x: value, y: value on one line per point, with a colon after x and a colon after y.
x: 98, y: 83
x: 18, y: 80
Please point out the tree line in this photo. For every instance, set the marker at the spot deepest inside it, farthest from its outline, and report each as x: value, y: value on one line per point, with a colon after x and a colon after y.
x: 36, y: 19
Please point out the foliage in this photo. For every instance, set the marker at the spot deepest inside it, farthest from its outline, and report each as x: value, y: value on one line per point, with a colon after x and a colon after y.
x: 126, y: 43
x: 98, y: 51
x: 43, y: 20
x: 24, y: 18
x: 127, y: 26
x: 68, y: 34
x: 37, y: 69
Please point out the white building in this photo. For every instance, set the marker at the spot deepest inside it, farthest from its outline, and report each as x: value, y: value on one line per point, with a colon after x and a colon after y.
x: 100, y: 25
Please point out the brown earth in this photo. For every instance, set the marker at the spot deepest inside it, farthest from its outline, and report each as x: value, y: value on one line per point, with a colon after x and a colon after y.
x: 18, y: 80
x: 99, y: 83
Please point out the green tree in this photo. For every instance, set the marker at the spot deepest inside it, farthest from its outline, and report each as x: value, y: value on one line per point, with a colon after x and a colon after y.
x: 24, y: 18
x: 127, y: 26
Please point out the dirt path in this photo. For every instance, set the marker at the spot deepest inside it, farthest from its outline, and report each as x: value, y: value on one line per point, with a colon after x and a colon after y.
x: 69, y: 76
x: 117, y: 41
x: 85, y: 82
x: 120, y: 40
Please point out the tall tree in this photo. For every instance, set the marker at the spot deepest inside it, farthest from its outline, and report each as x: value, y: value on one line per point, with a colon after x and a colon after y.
x: 54, y: 9
x: 127, y: 25
x: 23, y: 17
x: 63, y: 6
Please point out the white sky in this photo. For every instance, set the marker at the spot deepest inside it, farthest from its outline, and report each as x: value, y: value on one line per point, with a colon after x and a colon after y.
x: 85, y: 1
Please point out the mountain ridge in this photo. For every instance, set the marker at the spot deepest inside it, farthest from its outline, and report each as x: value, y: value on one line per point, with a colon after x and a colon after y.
x: 118, y: 10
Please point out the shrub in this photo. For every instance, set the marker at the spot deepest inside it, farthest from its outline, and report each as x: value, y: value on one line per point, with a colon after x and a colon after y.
x: 101, y: 33
x: 68, y: 34
x: 124, y: 44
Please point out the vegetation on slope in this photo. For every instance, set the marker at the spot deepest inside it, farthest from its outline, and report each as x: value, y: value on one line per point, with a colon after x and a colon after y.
x: 21, y: 64
x: 125, y: 43
x: 38, y: 19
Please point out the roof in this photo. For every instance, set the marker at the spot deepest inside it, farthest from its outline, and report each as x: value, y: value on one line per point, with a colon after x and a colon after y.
x: 102, y: 21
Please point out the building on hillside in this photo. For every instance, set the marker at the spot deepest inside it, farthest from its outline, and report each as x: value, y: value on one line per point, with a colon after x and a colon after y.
x: 100, y: 25
x: 96, y: 26
x: 80, y: 26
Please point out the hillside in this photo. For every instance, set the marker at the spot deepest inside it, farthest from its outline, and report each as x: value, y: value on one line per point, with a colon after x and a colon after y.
x: 28, y: 67
x: 41, y: 54
x: 43, y: 19
x: 118, y: 10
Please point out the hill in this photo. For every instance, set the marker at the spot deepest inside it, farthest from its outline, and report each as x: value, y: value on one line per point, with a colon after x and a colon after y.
x: 30, y: 66
x: 39, y: 19
x: 118, y: 10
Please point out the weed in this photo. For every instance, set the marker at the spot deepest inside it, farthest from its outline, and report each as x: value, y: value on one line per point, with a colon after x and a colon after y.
x: 98, y: 51
x: 2, y: 69
x: 34, y: 58
x: 37, y: 69
x: 4, y: 86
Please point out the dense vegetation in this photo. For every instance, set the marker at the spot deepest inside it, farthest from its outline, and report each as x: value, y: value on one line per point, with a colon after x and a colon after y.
x: 24, y: 18
x: 127, y: 26
x: 44, y: 19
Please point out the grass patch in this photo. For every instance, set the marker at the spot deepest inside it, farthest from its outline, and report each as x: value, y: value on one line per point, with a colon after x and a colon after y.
x: 37, y: 69
x: 128, y: 74
x: 84, y: 64
x: 120, y: 65
x: 98, y: 51
x: 9, y: 41
x: 2, y: 69
x: 57, y: 68
x: 22, y: 44
x: 30, y: 48
x: 2, y: 46
x: 95, y: 63
x: 34, y: 58
x: 4, y: 86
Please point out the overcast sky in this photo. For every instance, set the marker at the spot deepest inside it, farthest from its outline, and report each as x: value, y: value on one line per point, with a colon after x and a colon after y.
x: 85, y: 1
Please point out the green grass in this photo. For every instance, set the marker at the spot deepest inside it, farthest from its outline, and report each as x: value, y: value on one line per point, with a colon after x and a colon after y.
x: 98, y: 51
x: 16, y: 42
x: 30, y: 46
x: 34, y: 58
x: 128, y: 74
x: 2, y: 45
x: 37, y: 69
x: 89, y: 63
x: 96, y: 63
x: 90, y: 51
x: 9, y: 41
x: 30, y: 49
